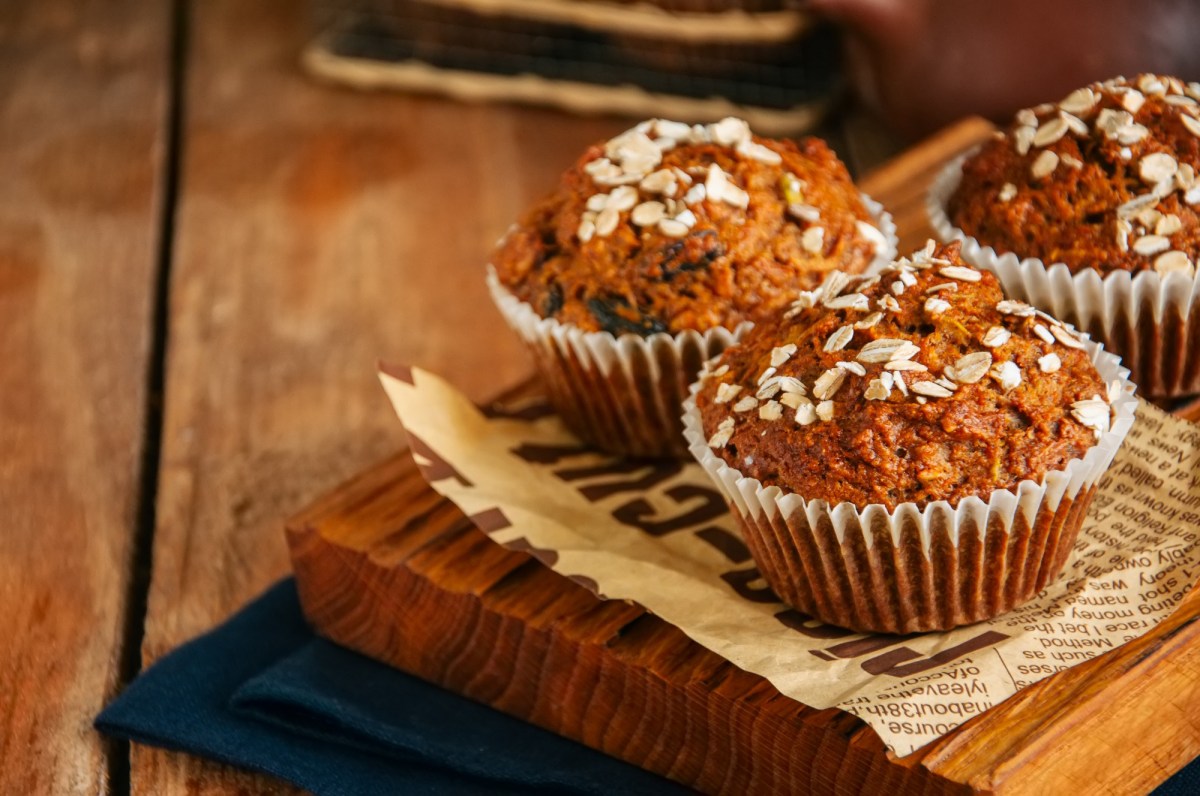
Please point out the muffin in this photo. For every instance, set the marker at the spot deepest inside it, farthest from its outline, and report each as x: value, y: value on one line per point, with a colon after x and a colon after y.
x: 910, y: 451
x: 656, y: 250
x: 1090, y: 209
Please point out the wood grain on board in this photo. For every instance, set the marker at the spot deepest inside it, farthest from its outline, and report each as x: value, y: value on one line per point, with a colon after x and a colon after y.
x: 317, y: 231
x: 80, y: 186
x: 387, y: 567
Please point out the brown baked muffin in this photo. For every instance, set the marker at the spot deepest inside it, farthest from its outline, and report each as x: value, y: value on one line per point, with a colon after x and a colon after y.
x: 1103, y: 187
x: 920, y: 391
x: 707, y: 233
x: 1105, y: 179
x: 685, y: 232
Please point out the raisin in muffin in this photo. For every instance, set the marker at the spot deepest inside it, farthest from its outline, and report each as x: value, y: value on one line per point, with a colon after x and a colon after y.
x: 657, y: 247
x: 1103, y: 188
x: 907, y: 426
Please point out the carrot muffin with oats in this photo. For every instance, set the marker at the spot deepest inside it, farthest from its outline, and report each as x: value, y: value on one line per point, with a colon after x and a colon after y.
x: 898, y: 421
x: 679, y: 231
x: 1103, y: 183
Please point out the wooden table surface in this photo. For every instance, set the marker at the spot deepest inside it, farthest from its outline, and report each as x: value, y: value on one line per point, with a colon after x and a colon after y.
x: 203, y: 254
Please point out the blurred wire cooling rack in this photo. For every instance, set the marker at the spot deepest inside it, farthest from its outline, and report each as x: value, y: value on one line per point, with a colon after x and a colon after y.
x: 764, y: 60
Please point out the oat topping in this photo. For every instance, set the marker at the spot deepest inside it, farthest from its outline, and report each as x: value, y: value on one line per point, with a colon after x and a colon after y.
x: 1071, y: 161
x: 811, y: 215
x: 768, y: 389
x: 607, y: 220
x: 1156, y: 167
x: 791, y: 384
x: 931, y: 389
x: 782, y: 354
x: 1192, y: 124
x: 721, y: 436
x: 727, y: 392
x: 813, y: 239
x: 1173, y: 261
x: 940, y: 287
x: 793, y: 400
x: 806, y: 414
x: 771, y: 410
x: 1064, y: 336
x: 1049, y: 363
x: 1008, y: 374
x: 839, y: 339
x: 877, y: 390
x: 1135, y: 121
x: 746, y: 404
x: 996, y: 337
x: 869, y: 321
x: 905, y: 364
x: 1045, y: 164
x: 1151, y: 244
x: 889, y: 369
x: 1050, y: 131
x: 828, y: 382
x: 1018, y: 308
x: 647, y: 214
x: 631, y: 165
x: 673, y: 227
x: 961, y: 273
x: 853, y: 367
x: 696, y: 194
x: 1095, y: 413
x: 972, y: 367
x: 936, y: 306
x: 851, y: 301
x: 834, y: 284
x: 887, y: 349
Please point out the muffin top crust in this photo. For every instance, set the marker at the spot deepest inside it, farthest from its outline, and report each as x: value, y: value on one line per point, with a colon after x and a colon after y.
x: 1104, y: 179
x: 918, y: 385
x: 669, y: 227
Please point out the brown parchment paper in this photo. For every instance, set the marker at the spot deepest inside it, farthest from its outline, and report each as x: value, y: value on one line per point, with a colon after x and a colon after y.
x: 660, y: 535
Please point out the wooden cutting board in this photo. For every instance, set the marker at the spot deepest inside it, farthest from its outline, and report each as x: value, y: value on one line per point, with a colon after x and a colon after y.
x: 389, y: 568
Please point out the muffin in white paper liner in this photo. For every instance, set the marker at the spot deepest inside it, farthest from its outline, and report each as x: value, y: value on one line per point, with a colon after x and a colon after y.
x: 1152, y: 321
x: 917, y: 569
x: 624, y: 393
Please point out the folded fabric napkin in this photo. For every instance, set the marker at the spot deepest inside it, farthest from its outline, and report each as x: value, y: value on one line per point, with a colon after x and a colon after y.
x: 262, y: 692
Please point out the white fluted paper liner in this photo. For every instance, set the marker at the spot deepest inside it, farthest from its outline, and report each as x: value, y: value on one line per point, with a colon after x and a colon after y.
x: 917, y: 569
x: 887, y: 226
x: 1152, y: 321
x: 624, y: 393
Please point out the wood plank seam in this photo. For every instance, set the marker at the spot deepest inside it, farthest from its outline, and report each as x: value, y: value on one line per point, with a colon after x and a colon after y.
x: 142, y: 552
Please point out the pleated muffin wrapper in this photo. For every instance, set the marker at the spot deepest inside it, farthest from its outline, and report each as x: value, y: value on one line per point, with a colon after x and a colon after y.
x: 624, y: 394
x: 917, y: 569
x: 1152, y: 320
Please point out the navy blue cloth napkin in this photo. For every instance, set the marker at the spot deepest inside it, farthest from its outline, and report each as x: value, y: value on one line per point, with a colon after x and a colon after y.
x: 262, y: 692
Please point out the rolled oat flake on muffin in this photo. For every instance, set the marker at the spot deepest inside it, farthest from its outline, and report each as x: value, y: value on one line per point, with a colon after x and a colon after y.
x: 959, y: 416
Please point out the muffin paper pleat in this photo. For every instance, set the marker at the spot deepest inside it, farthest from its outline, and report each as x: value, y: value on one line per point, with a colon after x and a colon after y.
x: 1152, y: 321
x: 624, y: 393
x: 916, y: 568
